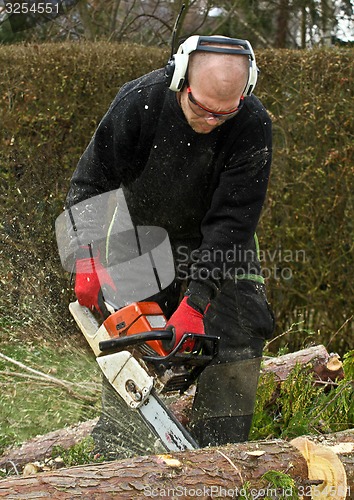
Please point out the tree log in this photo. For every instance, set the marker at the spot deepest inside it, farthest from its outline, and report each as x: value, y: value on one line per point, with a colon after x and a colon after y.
x: 40, y: 447
x: 321, y: 467
x: 327, y: 367
x: 209, y: 472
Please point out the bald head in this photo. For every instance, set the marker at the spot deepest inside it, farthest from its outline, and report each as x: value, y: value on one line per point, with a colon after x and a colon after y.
x: 226, y: 74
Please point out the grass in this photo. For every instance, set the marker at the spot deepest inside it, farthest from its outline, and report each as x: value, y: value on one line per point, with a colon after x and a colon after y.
x: 31, y: 405
x: 80, y: 454
x: 36, y: 330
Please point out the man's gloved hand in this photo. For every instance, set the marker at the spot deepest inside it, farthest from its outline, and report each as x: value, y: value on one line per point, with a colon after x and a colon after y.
x: 90, y: 277
x: 186, y: 319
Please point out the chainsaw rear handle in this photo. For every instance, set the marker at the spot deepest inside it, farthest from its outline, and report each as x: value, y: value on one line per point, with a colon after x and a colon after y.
x: 105, y: 312
x: 136, y: 339
x: 200, y: 342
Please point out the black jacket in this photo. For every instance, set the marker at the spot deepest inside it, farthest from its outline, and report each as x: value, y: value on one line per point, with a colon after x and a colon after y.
x: 206, y: 189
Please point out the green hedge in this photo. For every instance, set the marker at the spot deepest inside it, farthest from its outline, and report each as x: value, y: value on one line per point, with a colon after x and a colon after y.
x: 309, y: 212
x: 52, y: 97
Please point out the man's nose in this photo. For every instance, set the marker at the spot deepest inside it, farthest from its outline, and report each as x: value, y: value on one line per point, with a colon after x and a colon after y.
x: 211, y: 119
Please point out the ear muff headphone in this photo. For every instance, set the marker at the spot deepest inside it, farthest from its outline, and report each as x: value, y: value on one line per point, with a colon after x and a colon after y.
x: 177, y: 66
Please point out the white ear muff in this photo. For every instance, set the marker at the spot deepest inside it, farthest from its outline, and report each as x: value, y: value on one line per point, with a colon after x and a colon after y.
x: 253, y: 72
x: 180, y: 62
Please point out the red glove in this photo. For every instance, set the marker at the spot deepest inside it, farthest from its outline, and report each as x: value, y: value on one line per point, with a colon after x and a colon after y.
x: 90, y: 276
x: 186, y: 319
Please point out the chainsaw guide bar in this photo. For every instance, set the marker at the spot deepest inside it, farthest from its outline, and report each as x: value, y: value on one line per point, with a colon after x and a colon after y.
x: 136, y: 387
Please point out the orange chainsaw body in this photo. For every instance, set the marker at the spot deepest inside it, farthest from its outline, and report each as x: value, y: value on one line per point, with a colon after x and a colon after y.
x: 136, y: 318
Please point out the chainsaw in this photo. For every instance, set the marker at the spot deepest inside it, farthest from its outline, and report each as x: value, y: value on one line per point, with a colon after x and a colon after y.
x: 141, y: 360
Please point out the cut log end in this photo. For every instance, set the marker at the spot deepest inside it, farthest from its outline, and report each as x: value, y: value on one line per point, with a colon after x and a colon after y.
x: 325, y: 468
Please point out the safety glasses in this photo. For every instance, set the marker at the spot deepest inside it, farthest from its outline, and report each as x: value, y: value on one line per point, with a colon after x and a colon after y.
x: 221, y: 115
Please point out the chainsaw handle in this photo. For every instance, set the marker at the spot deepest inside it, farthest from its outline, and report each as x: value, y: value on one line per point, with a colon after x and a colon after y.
x: 136, y: 339
x: 102, y: 305
x: 204, y: 339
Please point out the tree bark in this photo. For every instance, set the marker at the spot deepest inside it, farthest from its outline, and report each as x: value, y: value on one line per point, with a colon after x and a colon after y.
x: 282, y: 24
x: 320, y: 466
x: 207, y: 471
x: 327, y: 367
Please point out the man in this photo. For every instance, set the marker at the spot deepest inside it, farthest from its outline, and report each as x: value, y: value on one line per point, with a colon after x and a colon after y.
x: 191, y: 147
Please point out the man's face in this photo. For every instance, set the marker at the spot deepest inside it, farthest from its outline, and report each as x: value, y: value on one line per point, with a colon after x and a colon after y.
x: 215, y: 89
x: 204, y: 111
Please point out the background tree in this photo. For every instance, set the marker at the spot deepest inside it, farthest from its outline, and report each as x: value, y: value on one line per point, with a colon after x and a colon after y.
x: 267, y: 23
